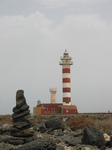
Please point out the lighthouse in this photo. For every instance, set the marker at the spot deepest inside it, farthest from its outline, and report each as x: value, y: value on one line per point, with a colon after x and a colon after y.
x: 65, y: 108
x: 66, y: 79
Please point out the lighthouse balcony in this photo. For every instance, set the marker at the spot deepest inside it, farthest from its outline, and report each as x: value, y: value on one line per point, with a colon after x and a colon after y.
x: 66, y: 63
x: 65, y: 57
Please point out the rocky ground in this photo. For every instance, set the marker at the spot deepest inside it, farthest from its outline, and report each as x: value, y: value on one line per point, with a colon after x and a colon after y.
x: 22, y: 131
x: 59, y: 133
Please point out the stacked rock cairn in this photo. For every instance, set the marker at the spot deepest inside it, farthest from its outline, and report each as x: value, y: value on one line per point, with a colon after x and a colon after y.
x: 22, y: 130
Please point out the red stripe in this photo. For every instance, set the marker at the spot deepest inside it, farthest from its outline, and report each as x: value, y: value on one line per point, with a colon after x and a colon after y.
x: 66, y: 70
x: 66, y: 99
x: 66, y: 80
x: 66, y: 89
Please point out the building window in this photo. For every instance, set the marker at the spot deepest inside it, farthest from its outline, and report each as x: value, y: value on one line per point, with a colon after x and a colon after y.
x: 53, y: 110
x: 46, y: 109
x: 60, y: 110
x: 67, y: 111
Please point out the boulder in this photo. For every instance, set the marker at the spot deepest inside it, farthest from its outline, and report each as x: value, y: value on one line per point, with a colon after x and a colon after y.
x: 92, y: 136
x: 54, y: 123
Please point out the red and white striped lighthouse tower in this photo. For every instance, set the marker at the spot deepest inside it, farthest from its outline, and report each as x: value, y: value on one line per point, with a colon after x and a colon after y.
x: 66, y: 80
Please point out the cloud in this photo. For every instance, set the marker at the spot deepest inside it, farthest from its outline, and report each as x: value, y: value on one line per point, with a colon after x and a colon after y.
x: 84, y: 29
x: 58, y: 3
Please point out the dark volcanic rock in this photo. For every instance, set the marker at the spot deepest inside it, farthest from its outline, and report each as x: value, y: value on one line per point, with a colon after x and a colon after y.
x: 20, y: 102
x: 21, y: 119
x: 17, y: 115
x: 4, y: 128
x: 24, y: 133
x: 21, y: 124
x: 21, y: 128
x: 54, y: 123
x: 23, y: 108
x: 4, y: 146
x: 38, y: 136
x: 13, y: 129
x: 72, y: 141
x: 60, y: 147
x: 41, y: 144
x: 20, y: 99
x: 92, y: 136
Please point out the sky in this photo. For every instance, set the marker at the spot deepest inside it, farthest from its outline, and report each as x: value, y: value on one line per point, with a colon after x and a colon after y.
x: 34, y: 35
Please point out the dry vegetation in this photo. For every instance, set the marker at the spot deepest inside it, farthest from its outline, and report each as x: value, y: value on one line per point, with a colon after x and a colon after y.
x: 105, y: 125
x: 100, y: 122
x: 5, y: 119
x: 80, y: 123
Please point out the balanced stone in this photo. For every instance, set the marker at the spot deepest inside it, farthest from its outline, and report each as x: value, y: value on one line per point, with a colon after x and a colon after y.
x: 21, y: 129
x: 21, y: 114
x: 23, y: 108
x: 20, y: 125
x: 20, y: 99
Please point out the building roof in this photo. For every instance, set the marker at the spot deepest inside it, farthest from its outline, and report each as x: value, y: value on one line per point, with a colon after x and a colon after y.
x: 49, y: 104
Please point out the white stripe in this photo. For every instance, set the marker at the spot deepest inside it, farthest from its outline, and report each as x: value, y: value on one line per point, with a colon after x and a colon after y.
x: 66, y: 66
x: 66, y: 85
x: 68, y: 94
x: 66, y: 75
x: 64, y: 103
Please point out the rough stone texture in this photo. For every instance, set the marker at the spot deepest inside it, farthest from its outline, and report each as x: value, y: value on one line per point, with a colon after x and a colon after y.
x: 85, y: 147
x: 65, y: 139
x: 4, y: 128
x: 4, y: 146
x: 72, y: 141
x: 60, y: 147
x: 92, y: 136
x: 44, y: 144
x: 108, y: 140
x: 24, y: 133
x: 23, y: 108
x: 21, y: 128
x: 54, y: 123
